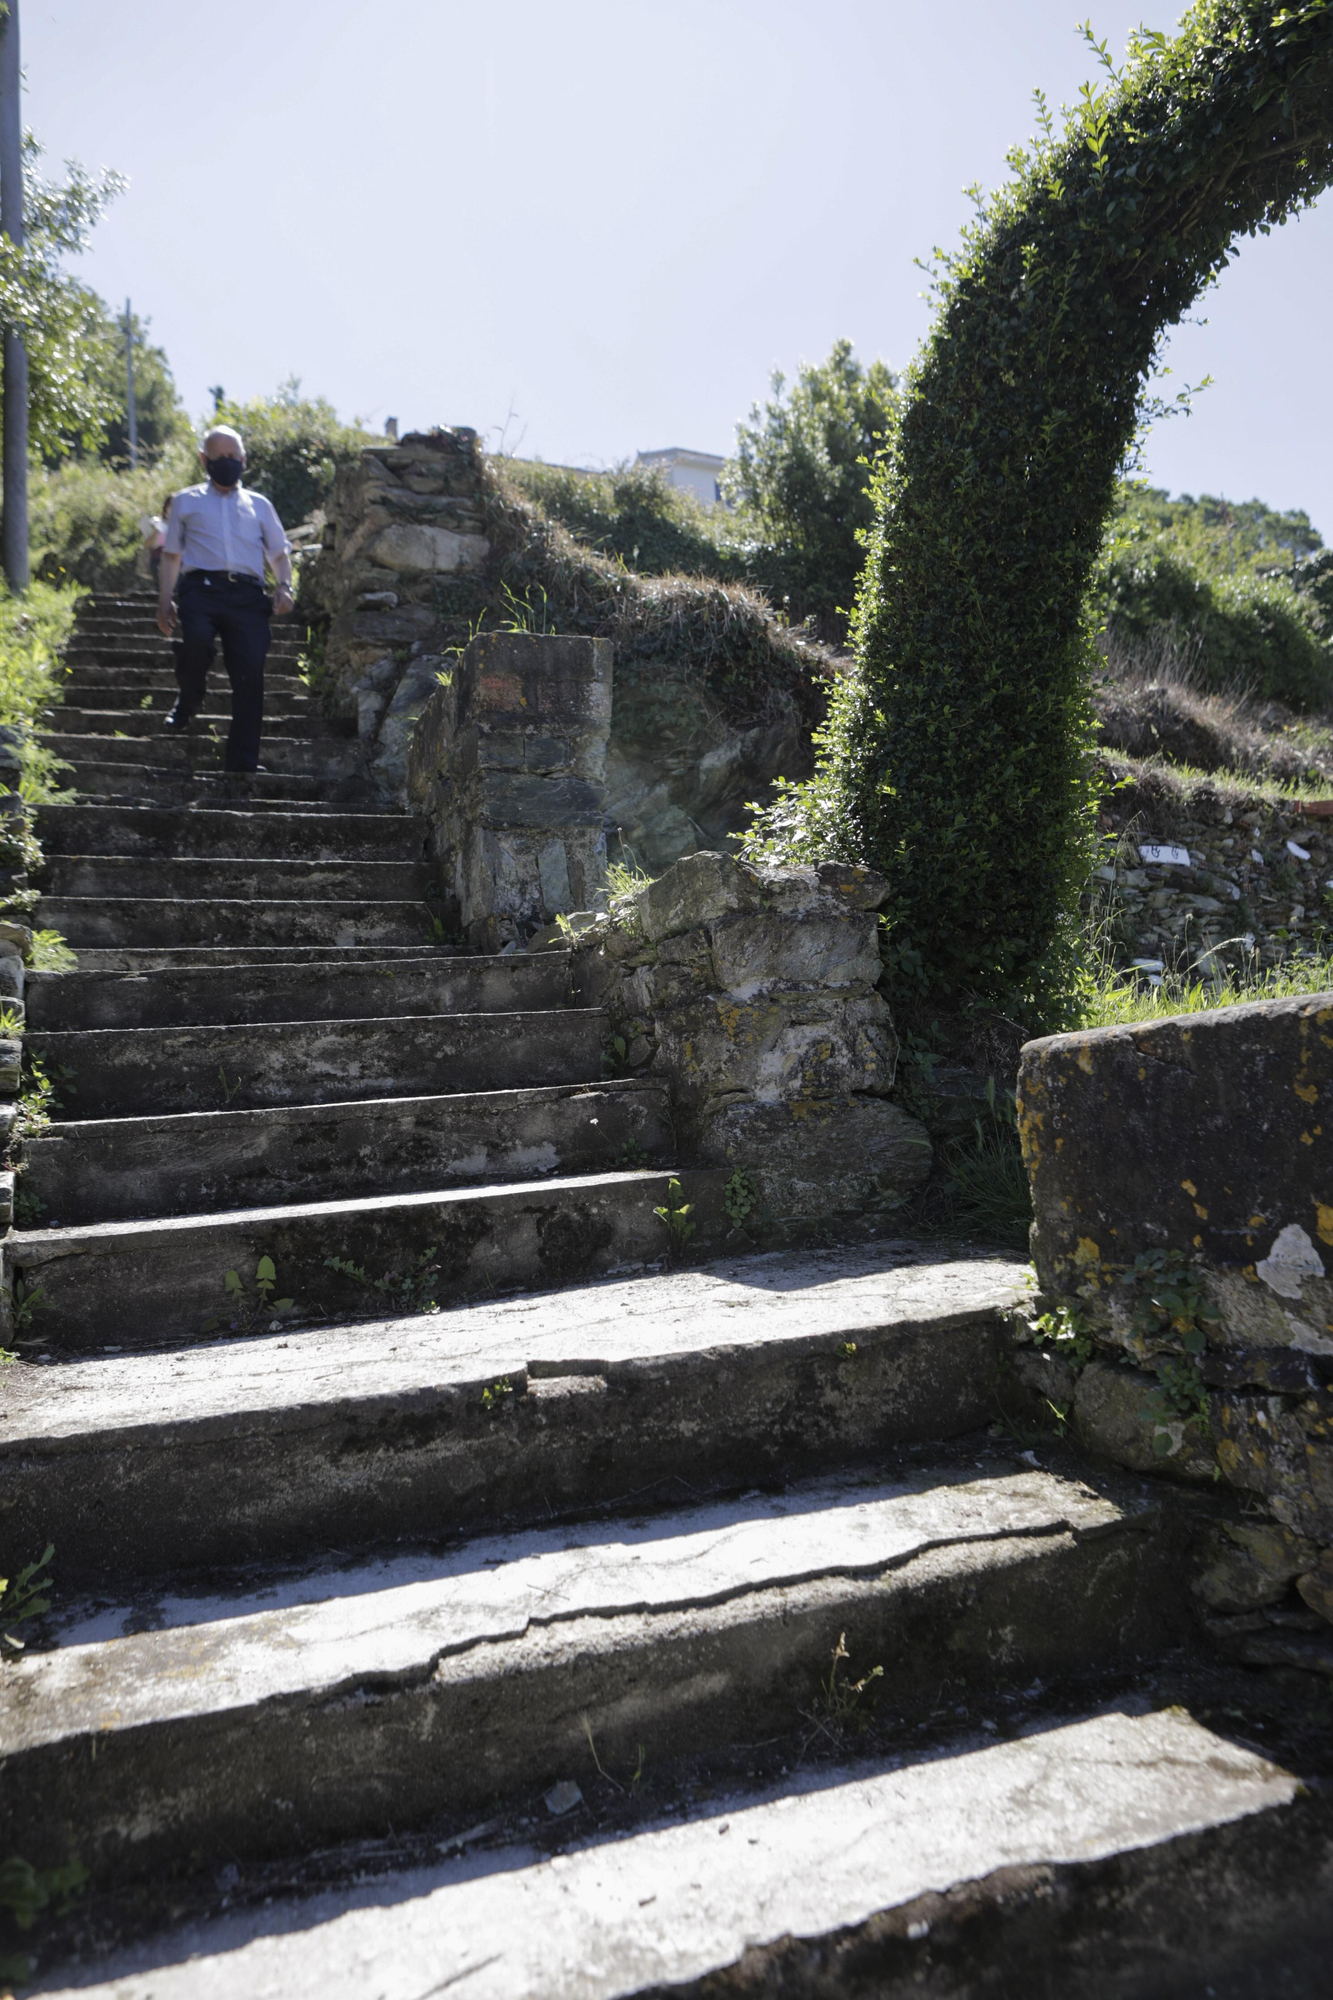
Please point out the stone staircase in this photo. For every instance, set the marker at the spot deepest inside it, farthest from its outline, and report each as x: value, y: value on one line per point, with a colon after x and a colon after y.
x: 614, y: 1626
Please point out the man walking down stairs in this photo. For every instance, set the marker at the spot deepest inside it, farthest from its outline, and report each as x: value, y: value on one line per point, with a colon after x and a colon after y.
x: 450, y: 1591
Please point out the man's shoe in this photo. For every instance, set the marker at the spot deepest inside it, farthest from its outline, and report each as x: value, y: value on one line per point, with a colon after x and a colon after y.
x: 179, y: 721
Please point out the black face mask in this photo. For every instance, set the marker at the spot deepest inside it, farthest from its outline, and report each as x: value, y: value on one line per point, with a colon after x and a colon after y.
x: 225, y: 471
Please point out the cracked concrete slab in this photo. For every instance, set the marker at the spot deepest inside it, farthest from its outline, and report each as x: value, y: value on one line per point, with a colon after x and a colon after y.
x: 675, y: 1902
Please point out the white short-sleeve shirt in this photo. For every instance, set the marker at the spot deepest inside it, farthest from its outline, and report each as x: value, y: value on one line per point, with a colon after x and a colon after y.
x: 213, y: 530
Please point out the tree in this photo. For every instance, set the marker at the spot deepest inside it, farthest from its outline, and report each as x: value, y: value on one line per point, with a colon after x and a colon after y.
x: 957, y: 758
x: 159, y: 416
x: 55, y: 315
x: 801, y: 473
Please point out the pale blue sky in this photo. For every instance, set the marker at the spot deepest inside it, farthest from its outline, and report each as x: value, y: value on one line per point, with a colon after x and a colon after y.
x: 613, y: 216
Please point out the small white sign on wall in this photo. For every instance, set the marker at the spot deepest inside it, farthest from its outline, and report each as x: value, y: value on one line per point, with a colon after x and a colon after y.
x: 1165, y: 857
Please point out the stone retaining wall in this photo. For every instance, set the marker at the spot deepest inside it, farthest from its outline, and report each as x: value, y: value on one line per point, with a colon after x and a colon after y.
x: 1255, y: 871
x: 753, y: 993
x: 506, y: 761
x: 1182, y: 1181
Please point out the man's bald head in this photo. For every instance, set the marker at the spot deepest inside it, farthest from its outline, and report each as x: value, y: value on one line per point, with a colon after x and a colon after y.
x: 223, y: 442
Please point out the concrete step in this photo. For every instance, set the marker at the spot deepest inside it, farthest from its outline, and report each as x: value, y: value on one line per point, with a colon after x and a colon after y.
x: 147, y: 650
x: 144, y: 784
x: 145, y: 1282
x: 349, y: 1691
x: 125, y: 687
x: 319, y: 991
x: 278, y: 1445
x: 73, y: 720
x: 1058, y: 1862
x: 229, y: 878
x: 171, y: 833
x: 324, y: 757
x: 193, y: 1163
x: 130, y: 1072
x: 96, y: 921
x: 183, y: 958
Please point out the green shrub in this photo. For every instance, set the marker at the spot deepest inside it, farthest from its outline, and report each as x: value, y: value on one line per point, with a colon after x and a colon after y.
x: 293, y: 448
x: 957, y: 759
x: 33, y: 631
x: 85, y: 516
x: 633, y: 513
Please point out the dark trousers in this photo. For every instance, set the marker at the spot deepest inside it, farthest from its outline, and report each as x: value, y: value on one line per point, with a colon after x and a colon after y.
x: 236, y: 611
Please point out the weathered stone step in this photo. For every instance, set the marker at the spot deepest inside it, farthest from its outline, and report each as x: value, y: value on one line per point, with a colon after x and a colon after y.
x: 91, y: 920
x: 117, y: 1169
x: 73, y: 720
x: 137, y: 1283
x: 352, y: 1696
x: 157, y: 698
x: 125, y: 687
x: 278, y: 1446
x: 182, y: 958
x: 172, y: 833
x: 324, y: 757
x: 282, y: 991
x: 229, y: 877
x: 144, y: 784
x: 135, y: 651
x: 128, y: 1072
x: 1011, y: 1867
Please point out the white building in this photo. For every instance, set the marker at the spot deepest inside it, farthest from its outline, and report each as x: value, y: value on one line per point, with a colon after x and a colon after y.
x: 695, y: 472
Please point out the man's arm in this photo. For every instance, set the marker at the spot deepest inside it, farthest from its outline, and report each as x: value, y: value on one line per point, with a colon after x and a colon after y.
x: 166, y: 610
x: 277, y: 550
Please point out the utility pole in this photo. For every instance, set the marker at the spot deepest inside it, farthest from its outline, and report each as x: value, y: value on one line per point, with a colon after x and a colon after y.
x: 129, y: 385
x: 14, y: 531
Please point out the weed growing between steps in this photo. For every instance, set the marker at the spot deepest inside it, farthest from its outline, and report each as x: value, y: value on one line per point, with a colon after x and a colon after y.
x: 251, y: 1312
x: 674, y: 1215
x: 27, y: 1894
x: 410, y: 1292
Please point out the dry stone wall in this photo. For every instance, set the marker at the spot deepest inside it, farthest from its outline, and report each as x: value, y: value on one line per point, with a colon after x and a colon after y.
x: 1193, y: 873
x: 506, y: 762
x: 1182, y: 1180
x: 753, y: 993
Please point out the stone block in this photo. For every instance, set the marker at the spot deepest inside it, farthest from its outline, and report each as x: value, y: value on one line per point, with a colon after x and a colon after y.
x: 698, y: 890
x: 535, y: 678
x: 779, y: 1048
x: 821, y: 1157
x: 763, y: 950
x: 1249, y: 1564
x: 419, y: 547
x: 1210, y: 1135
x: 1283, y: 1452
x: 16, y: 937
x: 504, y: 798
x: 11, y: 976
x: 1317, y: 1587
x: 1118, y: 1412
x: 11, y: 1062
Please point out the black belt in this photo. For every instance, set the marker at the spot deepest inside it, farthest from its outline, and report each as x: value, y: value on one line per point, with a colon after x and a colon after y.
x: 224, y: 576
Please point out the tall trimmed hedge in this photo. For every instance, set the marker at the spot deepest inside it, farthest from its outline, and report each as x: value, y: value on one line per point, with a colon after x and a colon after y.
x: 956, y: 757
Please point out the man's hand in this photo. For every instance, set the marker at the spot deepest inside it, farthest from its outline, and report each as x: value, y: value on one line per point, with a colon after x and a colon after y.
x: 166, y: 617
x: 284, y: 600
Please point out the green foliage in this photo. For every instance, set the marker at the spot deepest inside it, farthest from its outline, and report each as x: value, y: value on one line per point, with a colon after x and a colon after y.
x: 801, y: 475
x: 985, y: 1182
x: 1066, y: 1330
x: 244, y: 1313
x: 84, y: 516
x: 632, y: 513
x: 294, y: 446
x: 1114, y: 999
x: 740, y: 1196
x: 494, y: 1396
x: 159, y: 416
x: 413, y: 1291
x: 742, y: 660
x: 1177, y: 566
x: 33, y: 631
x: 56, y: 316
x: 26, y: 1893
x: 674, y: 1214
x: 956, y: 759
x: 23, y: 1599
x: 1168, y: 1306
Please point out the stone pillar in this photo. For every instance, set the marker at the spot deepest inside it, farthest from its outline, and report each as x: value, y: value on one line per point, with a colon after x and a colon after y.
x: 508, y: 763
